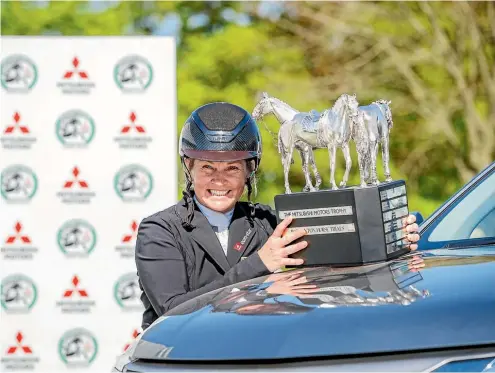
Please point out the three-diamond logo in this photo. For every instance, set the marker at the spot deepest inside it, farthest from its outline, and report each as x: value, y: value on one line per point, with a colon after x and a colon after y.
x: 19, y: 74
x: 75, y: 299
x: 75, y: 128
x: 127, y: 293
x: 77, y: 348
x: 18, y: 244
x: 133, y: 183
x: 135, y: 334
x: 128, y: 241
x: 19, y: 294
x: 16, y: 134
x: 18, y: 184
x: 76, y: 238
x: 133, y: 74
x: 75, y: 79
x: 132, y: 134
x: 76, y: 189
x: 19, y: 355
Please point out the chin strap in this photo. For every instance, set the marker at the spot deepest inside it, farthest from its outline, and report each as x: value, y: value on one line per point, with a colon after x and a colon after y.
x: 188, y: 198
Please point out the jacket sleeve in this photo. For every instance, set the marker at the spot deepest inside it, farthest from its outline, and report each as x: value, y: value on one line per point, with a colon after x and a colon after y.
x: 162, y: 269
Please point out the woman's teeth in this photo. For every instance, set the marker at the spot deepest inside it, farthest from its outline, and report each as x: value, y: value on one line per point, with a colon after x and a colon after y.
x: 218, y: 193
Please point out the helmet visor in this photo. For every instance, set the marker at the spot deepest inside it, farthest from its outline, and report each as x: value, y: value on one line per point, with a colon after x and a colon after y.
x: 219, y: 156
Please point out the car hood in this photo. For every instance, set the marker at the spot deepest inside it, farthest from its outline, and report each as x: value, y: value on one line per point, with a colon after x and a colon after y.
x: 422, y: 301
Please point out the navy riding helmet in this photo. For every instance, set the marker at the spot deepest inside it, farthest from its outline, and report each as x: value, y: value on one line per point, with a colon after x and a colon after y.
x: 220, y: 131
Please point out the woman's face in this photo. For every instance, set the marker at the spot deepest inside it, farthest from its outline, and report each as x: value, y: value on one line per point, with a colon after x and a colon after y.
x: 218, y: 185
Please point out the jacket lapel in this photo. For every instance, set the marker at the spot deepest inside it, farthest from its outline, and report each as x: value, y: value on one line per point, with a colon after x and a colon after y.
x: 205, y: 237
x: 240, y: 235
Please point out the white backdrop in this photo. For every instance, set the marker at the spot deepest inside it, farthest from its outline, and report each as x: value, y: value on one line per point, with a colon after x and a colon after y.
x: 87, y: 150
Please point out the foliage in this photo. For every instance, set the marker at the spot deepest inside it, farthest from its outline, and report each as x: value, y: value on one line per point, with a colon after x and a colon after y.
x: 434, y: 61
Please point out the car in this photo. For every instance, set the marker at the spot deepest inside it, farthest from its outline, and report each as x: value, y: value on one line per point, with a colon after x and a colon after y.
x: 429, y: 310
x: 467, y: 218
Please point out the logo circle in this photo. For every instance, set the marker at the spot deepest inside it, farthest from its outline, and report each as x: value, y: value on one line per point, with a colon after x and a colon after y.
x: 19, y: 73
x: 19, y: 294
x: 77, y: 347
x: 18, y: 183
x: 127, y: 293
x: 76, y: 238
x: 133, y: 74
x: 75, y: 128
x: 133, y: 183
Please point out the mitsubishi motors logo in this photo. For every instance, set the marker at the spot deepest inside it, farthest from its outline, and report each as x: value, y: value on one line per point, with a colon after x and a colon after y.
x: 135, y: 334
x: 132, y: 134
x: 19, y: 346
x: 16, y: 134
x: 133, y: 125
x: 75, y: 299
x: 76, y: 180
x: 16, y: 125
x: 19, y: 355
x: 18, y: 235
x: 75, y: 189
x: 75, y: 79
x: 75, y: 72
x: 128, y: 241
x: 18, y: 244
x: 75, y: 289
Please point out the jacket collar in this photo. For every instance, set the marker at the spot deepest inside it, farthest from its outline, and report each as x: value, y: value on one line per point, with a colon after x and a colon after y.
x: 240, y: 234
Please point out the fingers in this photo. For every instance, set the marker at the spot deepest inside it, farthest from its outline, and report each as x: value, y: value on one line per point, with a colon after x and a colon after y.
x: 413, y: 247
x: 411, y: 228
x: 291, y: 262
x: 413, y: 237
x: 294, y: 235
x: 294, y: 248
x: 410, y: 219
x: 297, y: 281
x: 280, y: 229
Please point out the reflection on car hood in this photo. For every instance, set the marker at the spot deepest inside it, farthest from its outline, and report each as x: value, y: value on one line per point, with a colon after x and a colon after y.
x: 422, y: 301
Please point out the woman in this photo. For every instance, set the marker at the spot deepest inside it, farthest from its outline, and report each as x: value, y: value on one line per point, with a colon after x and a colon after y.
x: 210, y: 239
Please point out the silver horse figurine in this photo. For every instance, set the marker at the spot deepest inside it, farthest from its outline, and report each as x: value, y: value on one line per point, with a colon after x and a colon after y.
x: 331, y: 129
x: 373, y: 127
x: 284, y: 113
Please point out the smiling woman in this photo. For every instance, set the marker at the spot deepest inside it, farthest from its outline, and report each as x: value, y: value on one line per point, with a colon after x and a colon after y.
x: 219, y: 185
x: 210, y: 239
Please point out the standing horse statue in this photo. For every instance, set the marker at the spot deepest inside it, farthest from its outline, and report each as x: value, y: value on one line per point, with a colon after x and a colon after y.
x: 331, y: 129
x: 284, y: 113
x: 373, y: 127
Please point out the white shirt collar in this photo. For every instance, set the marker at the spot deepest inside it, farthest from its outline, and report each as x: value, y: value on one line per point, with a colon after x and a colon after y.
x: 215, y: 218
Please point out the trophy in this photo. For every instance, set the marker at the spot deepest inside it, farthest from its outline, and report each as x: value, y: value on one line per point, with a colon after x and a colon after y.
x: 347, y: 225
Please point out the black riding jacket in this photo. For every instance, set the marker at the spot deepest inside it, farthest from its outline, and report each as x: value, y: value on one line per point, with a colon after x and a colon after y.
x: 177, y: 262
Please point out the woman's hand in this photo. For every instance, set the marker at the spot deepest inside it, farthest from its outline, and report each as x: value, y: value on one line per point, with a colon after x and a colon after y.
x: 292, y: 286
x: 274, y: 253
x: 411, y: 228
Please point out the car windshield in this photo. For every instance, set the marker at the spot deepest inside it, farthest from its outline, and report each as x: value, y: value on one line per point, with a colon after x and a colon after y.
x: 473, y: 216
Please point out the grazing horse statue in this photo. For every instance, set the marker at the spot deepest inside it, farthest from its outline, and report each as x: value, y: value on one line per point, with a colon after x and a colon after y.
x: 284, y: 113
x: 373, y: 128
x: 330, y: 129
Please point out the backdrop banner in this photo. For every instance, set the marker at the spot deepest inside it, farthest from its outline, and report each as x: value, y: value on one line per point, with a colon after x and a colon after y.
x: 88, y: 148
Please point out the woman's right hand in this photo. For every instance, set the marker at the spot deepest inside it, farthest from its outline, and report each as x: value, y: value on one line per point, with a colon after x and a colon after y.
x: 274, y: 253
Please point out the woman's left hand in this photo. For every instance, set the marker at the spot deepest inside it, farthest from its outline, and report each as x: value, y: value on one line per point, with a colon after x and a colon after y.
x: 411, y: 228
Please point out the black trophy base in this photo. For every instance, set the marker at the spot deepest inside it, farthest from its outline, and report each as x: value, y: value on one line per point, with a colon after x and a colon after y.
x: 350, y: 226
